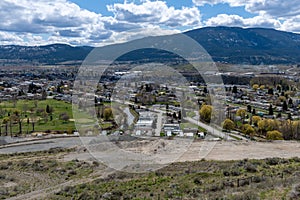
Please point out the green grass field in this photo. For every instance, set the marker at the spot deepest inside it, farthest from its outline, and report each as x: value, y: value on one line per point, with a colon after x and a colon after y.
x: 34, y: 111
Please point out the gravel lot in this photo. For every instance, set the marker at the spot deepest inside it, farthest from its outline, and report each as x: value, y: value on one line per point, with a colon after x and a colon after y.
x: 210, y: 150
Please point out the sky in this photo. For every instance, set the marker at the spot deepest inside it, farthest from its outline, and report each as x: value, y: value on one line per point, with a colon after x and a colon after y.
x: 103, y: 22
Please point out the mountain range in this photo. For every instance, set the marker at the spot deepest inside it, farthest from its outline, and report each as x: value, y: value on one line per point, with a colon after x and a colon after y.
x: 225, y: 44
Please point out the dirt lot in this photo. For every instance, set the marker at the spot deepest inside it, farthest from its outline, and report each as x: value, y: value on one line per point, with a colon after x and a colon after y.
x: 168, y: 151
x: 235, y: 150
x: 60, y: 171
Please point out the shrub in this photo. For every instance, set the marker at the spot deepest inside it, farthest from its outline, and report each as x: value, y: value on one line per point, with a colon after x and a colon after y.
x: 257, y: 179
x: 273, y: 161
x: 2, y: 176
x: 226, y: 173
x: 274, y: 135
x: 3, y: 167
x: 197, y: 181
x: 249, y: 195
x: 235, y: 172
x: 295, y: 192
x: 250, y: 168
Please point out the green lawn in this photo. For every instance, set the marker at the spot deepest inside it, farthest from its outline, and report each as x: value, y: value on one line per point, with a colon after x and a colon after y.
x: 28, y: 112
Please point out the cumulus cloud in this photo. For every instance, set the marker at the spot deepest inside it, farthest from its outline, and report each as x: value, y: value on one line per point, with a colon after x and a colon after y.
x: 275, y: 8
x: 236, y: 20
x: 7, y: 38
x: 35, y: 22
x: 41, y: 16
x: 278, y: 14
x: 65, y: 22
x: 156, y: 13
x: 292, y: 24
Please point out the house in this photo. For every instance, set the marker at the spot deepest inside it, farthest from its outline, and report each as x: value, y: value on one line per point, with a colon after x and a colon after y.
x: 145, y: 124
x: 174, y: 129
x: 201, y: 135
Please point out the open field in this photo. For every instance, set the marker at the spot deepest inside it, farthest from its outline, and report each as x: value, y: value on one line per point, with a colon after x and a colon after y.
x: 210, y: 150
x: 48, y: 175
x: 34, y: 113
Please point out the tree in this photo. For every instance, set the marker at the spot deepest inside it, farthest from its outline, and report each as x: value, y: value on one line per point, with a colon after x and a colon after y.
x: 262, y: 87
x: 271, y: 110
x: 284, y: 106
x: 290, y: 102
x: 64, y: 116
x: 44, y: 94
x: 17, y: 117
x: 32, y: 118
x: 262, y: 126
x: 179, y: 115
x: 249, y: 108
x: 107, y: 114
x: 174, y: 115
x: 205, y: 113
x: 49, y: 109
x: 234, y: 89
x: 270, y: 91
x: 255, y: 87
x: 282, y: 98
x: 274, y: 135
x: 205, y: 90
x: 58, y: 90
x: 228, y: 125
x: 279, y: 115
x: 256, y: 119
x: 267, y: 125
x: 278, y: 88
x: 241, y: 113
x: 35, y: 103
x: 5, y: 121
x: 248, y: 130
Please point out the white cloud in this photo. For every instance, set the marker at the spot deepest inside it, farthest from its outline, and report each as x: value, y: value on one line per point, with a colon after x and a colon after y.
x: 292, y: 24
x: 274, y: 8
x: 42, y: 16
x: 214, y: 2
x: 236, y: 20
x: 8, y: 38
x: 61, y: 21
x: 35, y: 22
x: 156, y: 13
x: 278, y: 14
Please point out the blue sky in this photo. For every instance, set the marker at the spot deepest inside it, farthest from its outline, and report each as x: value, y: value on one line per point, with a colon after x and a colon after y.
x: 102, y: 22
x: 99, y: 6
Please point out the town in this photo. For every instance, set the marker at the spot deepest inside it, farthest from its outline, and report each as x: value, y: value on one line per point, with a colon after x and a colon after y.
x: 264, y: 107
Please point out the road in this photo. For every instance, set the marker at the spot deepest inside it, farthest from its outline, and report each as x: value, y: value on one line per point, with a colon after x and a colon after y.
x: 158, y: 124
x: 210, y: 129
x: 41, y: 145
x: 130, y: 117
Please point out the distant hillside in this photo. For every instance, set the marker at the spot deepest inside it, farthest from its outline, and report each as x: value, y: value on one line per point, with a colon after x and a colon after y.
x: 252, y: 46
x: 50, y: 54
x: 224, y: 44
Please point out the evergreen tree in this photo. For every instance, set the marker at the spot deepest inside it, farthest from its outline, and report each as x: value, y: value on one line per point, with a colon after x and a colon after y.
x: 270, y: 91
x: 234, y: 89
x: 249, y: 108
x: 290, y: 102
x: 271, y: 110
x: 284, y: 106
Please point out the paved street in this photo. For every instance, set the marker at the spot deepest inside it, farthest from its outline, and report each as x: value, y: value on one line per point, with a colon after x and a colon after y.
x: 210, y: 129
